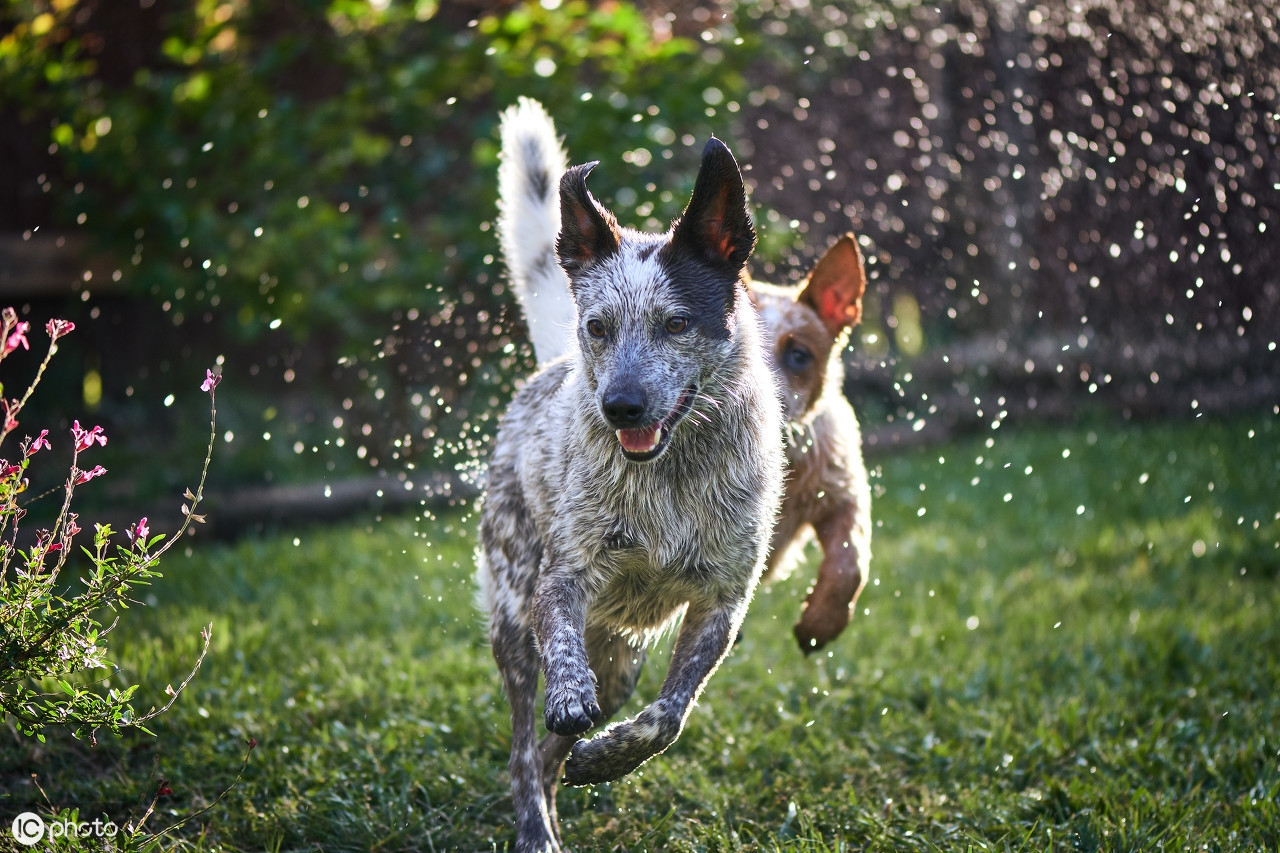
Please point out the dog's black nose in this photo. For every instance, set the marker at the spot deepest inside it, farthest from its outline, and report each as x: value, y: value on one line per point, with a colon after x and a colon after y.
x: 624, y: 409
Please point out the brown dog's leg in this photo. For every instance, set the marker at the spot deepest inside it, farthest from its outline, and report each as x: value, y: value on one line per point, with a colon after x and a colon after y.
x: 840, y: 578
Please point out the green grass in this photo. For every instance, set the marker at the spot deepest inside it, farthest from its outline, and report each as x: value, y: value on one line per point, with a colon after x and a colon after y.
x: 1088, y: 663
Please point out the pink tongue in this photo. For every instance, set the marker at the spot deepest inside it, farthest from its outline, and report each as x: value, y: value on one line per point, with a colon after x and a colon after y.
x: 640, y: 440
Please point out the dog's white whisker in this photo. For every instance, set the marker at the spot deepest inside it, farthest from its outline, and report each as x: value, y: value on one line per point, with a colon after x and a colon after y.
x: 698, y: 418
x: 712, y: 401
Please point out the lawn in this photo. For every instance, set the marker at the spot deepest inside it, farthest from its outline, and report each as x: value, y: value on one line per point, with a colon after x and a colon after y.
x: 1069, y: 642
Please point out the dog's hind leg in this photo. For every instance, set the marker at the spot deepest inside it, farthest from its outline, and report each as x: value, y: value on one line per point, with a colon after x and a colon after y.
x: 616, y: 664
x: 517, y: 659
x: 704, y: 639
x: 508, y: 588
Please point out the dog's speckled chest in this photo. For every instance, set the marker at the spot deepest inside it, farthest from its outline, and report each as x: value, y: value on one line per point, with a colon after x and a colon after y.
x: 647, y: 547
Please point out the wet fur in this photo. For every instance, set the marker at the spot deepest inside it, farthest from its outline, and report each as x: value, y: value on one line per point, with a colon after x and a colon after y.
x: 827, y: 491
x: 586, y: 555
x: 827, y: 494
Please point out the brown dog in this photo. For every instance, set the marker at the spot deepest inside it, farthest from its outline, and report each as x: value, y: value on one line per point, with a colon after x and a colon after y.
x: 827, y: 492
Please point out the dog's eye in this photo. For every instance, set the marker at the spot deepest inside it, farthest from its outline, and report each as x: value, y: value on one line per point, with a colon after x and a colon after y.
x: 676, y: 325
x: 796, y: 358
x: 595, y: 328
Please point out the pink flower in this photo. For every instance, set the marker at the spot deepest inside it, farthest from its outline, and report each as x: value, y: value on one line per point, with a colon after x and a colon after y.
x: 40, y: 442
x: 72, y: 528
x: 138, y: 532
x: 83, y: 477
x: 58, y: 328
x: 85, y: 438
x: 18, y: 338
x: 42, y: 544
x: 211, y: 381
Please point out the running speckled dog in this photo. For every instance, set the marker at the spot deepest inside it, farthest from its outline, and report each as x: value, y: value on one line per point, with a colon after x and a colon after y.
x: 634, y: 481
x: 806, y: 330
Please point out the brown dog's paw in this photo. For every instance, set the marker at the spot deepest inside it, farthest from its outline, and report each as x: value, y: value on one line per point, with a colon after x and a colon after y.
x: 819, y: 626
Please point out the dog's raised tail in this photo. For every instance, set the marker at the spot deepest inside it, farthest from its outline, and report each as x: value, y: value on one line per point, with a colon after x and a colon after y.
x: 532, y: 161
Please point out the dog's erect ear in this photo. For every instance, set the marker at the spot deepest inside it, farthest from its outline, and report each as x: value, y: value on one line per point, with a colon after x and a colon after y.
x: 588, y: 232
x: 716, y: 225
x: 836, y: 285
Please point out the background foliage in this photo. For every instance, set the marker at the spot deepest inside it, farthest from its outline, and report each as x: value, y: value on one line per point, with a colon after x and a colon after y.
x: 287, y: 177
x: 306, y: 189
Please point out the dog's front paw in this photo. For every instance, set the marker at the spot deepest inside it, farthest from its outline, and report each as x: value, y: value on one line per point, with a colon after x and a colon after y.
x: 616, y: 751
x: 544, y: 844
x: 595, y: 761
x: 819, y: 624
x: 571, y: 712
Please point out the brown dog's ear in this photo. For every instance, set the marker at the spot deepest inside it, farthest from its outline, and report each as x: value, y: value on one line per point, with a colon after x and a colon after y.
x: 588, y: 232
x: 835, y: 286
x: 716, y: 225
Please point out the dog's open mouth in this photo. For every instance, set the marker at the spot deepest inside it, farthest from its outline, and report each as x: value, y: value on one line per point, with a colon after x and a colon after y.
x: 646, y: 443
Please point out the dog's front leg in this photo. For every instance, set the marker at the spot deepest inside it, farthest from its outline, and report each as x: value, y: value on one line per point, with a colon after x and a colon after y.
x: 704, y: 639
x: 559, y: 623
x: 841, y: 577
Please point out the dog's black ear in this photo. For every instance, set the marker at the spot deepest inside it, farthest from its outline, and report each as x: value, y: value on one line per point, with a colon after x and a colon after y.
x: 588, y: 232
x: 716, y: 225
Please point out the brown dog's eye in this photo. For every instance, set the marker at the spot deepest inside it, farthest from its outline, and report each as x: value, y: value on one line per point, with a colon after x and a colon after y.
x: 796, y: 358
x: 595, y: 328
x: 676, y: 325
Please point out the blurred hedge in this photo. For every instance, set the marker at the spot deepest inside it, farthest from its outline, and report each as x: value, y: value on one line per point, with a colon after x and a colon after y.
x: 312, y: 162
x: 289, y: 180
x: 306, y: 188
